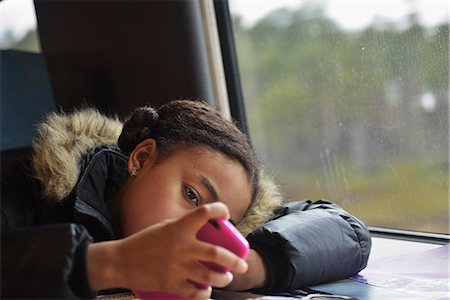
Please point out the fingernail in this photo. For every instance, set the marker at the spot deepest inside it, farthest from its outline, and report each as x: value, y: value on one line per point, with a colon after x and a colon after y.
x: 243, y: 266
x: 230, y: 277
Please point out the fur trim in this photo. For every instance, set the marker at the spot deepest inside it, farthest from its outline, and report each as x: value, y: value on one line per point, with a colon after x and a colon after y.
x: 268, y: 200
x: 61, y: 141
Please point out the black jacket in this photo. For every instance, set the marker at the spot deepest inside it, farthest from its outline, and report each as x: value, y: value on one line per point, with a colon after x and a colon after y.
x: 43, y: 242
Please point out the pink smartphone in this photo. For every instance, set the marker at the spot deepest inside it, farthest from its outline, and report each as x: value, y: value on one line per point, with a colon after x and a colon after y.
x: 219, y: 232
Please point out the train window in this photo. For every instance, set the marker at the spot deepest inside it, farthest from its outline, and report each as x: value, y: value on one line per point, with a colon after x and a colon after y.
x: 348, y: 101
x: 25, y: 87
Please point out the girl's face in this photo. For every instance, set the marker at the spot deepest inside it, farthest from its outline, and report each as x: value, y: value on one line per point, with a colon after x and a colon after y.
x: 178, y: 184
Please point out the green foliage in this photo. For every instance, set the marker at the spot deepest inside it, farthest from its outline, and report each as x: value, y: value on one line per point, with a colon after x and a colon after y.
x: 385, y: 197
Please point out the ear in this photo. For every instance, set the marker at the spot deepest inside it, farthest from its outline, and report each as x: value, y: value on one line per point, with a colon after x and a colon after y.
x: 144, y: 153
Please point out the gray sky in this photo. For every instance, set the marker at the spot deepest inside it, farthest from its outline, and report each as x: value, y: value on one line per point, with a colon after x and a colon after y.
x: 351, y: 14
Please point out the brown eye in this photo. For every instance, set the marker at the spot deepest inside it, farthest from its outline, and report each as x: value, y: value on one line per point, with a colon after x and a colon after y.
x: 191, y: 196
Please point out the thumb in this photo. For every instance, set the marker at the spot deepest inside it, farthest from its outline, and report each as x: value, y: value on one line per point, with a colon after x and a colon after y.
x: 193, y: 221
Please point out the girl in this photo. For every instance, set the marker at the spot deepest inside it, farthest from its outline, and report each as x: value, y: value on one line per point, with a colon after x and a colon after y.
x: 96, y: 216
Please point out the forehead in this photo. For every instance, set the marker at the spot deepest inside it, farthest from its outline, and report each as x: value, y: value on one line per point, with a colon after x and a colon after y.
x: 226, y: 176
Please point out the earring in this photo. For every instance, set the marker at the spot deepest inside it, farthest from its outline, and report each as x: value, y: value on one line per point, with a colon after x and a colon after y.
x: 134, y: 171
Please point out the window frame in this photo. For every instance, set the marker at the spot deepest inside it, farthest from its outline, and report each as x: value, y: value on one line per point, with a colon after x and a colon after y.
x: 231, y: 64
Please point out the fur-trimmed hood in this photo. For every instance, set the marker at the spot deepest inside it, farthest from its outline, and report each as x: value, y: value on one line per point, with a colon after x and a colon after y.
x: 62, y: 140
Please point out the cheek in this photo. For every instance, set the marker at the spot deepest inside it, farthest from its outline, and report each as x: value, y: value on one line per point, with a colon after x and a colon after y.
x: 143, y: 207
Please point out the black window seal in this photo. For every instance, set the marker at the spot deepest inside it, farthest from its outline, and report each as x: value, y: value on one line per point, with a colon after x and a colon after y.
x: 409, y: 235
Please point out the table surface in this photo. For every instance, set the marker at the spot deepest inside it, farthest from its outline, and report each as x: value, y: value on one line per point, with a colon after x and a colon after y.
x: 380, y: 279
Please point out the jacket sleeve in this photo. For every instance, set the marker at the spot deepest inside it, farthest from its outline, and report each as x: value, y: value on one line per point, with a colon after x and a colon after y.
x: 45, y: 262
x: 311, y: 243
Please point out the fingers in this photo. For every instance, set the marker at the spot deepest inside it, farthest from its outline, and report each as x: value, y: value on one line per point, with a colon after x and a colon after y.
x: 193, y: 221
x: 189, y: 291
x: 207, y: 276
x: 222, y: 257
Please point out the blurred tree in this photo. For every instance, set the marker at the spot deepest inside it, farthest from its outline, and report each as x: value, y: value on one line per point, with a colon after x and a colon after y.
x: 360, y: 117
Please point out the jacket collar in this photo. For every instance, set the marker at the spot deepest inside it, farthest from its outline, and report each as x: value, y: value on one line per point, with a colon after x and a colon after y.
x: 60, y: 143
x: 103, y: 170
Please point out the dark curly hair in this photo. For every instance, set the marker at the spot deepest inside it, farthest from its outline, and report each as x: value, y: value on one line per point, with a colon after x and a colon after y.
x: 186, y: 123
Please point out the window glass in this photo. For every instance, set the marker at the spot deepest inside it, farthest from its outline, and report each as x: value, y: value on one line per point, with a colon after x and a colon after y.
x: 25, y: 87
x: 349, y: 101
x: 18, y: 26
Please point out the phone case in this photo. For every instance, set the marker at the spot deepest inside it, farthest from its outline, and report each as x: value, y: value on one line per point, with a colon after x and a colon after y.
x: 218, y: 232
x: 222, y: 233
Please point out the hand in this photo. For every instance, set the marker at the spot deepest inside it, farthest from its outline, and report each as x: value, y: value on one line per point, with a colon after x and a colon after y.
x: 255, y: 277
x: 163, y: 257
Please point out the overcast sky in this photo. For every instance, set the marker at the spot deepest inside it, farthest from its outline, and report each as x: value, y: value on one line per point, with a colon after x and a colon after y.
x: 350, y: 14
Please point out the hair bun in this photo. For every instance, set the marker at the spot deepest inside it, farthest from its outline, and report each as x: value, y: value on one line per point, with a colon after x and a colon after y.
x: 140, y: 126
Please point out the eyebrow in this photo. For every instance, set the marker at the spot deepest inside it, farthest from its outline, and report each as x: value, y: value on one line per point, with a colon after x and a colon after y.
x: 215, y: 197
x: 210, y: 187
